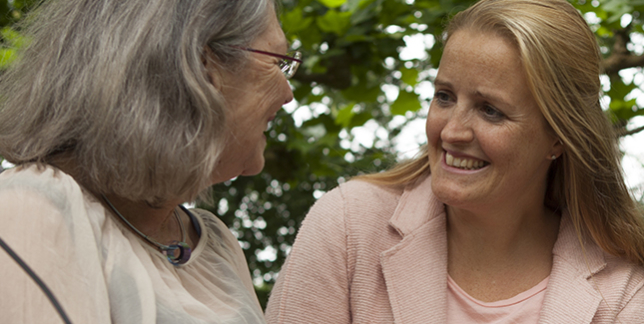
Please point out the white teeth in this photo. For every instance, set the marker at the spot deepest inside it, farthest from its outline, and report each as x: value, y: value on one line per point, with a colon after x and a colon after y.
x: 463, y: 163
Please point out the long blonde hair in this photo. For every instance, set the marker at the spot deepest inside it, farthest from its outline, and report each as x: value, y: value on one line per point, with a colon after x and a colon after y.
x: 562, y: 63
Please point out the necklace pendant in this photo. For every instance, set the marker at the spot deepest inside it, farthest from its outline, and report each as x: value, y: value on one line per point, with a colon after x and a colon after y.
x: 178, y: 253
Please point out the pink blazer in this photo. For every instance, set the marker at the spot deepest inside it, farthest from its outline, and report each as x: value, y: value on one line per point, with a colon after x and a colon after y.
x: 367, y: 254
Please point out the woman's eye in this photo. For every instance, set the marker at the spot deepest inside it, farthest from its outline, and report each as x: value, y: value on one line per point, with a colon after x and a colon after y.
x: 441, y: 97
x: 492, y: 113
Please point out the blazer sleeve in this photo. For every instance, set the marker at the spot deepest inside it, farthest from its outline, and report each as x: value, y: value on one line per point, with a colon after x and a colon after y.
x: 313, y: 285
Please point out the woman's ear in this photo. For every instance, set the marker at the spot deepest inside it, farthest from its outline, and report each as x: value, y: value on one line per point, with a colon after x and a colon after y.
x: 557, y: 149
x: 209, y: 63
x: 206, y: 56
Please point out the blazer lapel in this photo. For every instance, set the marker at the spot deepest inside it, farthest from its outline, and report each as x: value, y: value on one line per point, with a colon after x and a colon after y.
x: 570, y: 296
x: 415, y: 270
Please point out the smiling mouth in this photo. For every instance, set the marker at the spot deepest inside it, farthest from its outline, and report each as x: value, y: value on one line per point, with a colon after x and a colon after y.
x: 463, y: 163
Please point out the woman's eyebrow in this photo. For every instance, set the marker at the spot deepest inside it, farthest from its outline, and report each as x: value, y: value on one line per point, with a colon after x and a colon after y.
x: 440, y: 82
x: 488, y: 96
x: 478, y: 93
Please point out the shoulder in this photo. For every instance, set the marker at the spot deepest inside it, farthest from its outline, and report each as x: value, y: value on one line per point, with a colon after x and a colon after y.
x: 621, y: 283
x: 44, y: 191
x: 38, y: 179
x: 352, y: 217
x: 213, y: 224
x: 219, y: 239
x: 56, y: 230
x: 363, y: 191
x: 360, y: 197
x: 345, y: 208
x: 216, y: 230
x: 350, y: 205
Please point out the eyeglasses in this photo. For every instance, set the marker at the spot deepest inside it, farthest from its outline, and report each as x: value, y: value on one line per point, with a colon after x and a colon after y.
x: 288, y: 63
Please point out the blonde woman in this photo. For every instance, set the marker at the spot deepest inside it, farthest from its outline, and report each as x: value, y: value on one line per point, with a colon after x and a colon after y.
x: 516, y: 211
x: 118, y: 112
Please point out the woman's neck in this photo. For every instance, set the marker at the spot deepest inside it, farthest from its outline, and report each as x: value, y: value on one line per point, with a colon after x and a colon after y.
x: 499, y: 254
x: 157, y: 222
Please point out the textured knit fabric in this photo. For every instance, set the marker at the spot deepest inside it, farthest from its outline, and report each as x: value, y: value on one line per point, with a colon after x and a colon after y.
x: 368, y: 254
x: 101, y: 272
x: 523, y: 308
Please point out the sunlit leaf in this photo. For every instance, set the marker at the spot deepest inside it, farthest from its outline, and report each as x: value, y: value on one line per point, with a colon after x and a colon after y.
x: 406, y: 101
x: 7, y: 56
x: 409, y: 76
x: 295, y: 21
x: 332, y: 3
x: 335, y: 22
x: 344, y: 115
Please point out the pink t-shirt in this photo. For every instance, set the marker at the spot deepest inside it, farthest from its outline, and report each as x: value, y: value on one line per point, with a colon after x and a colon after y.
x: 523, y: 308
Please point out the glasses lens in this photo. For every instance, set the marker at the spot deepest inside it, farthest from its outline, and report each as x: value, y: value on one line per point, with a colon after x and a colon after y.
x: 289, y: 67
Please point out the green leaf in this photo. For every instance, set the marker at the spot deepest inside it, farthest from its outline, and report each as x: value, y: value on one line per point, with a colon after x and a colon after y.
x: 294, y: 21
x: 344, y: 115
x: 393, y: 11
x: 302, y: 92
x: 616, y: 9
x: 310, y: 37
x: 406, y: 101
x: 624, y: 110
x: 335, y: 22
x: 7, y: 56
x: 604, y: 32
x: 332, y: 3
x: 409, y: 76
x: 360, y: 119
x: 618, y: 89
x: 360, y: 93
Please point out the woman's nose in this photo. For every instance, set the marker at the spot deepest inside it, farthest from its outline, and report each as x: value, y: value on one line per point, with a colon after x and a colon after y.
x: 458, y: 128
x: 288, y: 93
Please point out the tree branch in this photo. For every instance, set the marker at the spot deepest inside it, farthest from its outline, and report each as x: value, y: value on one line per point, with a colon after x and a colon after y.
x: 617, y: 62
x: 625, y: 132
x: 338, y: 74
x: 621, y: 57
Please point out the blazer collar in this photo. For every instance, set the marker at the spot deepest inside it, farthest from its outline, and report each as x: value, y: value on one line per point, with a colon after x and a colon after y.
x: 571, y: 286
x: 415, y: 269
x: 416, y: 206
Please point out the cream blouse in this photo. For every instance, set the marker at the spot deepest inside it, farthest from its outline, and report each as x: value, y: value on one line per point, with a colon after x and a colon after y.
x: 101, y: 272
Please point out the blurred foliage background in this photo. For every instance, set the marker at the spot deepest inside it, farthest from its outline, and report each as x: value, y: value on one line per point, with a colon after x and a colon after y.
x: 365, y: 82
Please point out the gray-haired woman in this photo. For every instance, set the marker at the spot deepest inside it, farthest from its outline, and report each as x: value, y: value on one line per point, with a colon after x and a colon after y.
x: 118, y: 112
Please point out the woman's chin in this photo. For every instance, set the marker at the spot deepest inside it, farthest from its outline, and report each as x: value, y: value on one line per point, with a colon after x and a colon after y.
x: 451, y: 196
x: 254, y: 168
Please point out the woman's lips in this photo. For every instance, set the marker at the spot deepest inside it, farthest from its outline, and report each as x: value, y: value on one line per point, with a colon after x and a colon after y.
x: 464, y: 163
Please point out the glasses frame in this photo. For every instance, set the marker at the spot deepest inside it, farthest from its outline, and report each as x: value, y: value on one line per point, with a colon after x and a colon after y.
x: 288, y: 68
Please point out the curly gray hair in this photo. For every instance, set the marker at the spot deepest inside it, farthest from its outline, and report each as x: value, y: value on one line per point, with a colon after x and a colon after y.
x: 121, y: 86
